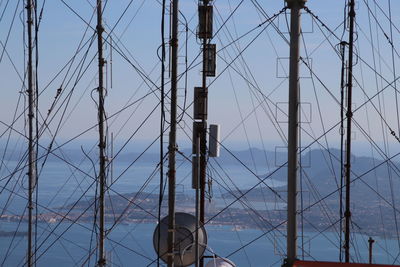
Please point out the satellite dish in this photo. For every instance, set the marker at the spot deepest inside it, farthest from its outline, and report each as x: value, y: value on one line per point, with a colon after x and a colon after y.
x: 220, y: 262
x: 185, y: 232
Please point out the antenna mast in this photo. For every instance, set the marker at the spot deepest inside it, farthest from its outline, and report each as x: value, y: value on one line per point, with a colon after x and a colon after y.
x: 102, y: 142
x: 172, y: 135
x: 205, y: 33
x: 349, y: 116
x: 203, y: 131
x: 295, y: 31
x: 32, y: 161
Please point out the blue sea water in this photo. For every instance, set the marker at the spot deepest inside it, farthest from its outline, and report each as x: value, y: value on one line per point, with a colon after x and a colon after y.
x: 131, y: 245
x: 68, y: 244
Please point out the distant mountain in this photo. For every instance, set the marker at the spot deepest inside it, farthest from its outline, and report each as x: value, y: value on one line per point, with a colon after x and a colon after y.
x: 321, y: 177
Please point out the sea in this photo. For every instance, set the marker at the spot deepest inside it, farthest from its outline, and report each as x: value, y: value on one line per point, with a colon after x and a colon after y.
x: 131, y: 244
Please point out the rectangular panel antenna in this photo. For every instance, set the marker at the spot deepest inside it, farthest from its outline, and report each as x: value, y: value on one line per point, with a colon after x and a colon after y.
x: 205, y: 30
x: 214, y: 142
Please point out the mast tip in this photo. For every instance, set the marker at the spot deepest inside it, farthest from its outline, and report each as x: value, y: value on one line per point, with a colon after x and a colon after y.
x: 300, y: 3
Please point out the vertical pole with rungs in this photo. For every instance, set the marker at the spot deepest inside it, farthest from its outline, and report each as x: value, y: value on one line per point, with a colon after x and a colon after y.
x: 349, y: 116
x: 172, y: 135
x: 102, y: 142
x: 32, y: 161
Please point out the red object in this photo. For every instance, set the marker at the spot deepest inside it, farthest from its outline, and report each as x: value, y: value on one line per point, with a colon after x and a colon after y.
x: 334, y: 264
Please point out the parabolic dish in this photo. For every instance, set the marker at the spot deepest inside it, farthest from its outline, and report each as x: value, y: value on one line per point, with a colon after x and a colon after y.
x: 185, y: 231
x: 220, y: 262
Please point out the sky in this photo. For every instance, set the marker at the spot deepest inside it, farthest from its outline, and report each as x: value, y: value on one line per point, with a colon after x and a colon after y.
x: 248, y: 98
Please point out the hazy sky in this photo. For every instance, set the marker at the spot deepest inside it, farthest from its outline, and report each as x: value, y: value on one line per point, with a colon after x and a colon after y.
x: 247, y: 98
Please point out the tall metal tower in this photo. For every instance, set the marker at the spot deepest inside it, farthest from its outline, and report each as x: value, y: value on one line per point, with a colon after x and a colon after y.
x: 102, y: 140
x: 349, y: 116
x: 172, y: 135
x: 293, y: 129
x: 205, y: 33
x: 31, y: 147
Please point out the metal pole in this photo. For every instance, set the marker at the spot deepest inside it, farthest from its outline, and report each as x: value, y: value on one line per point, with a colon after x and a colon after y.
x: 370, y: 242
x: 102, y: 142
x: 295, y: 6
x: 172, y: 135
x: 31, y: 171
x: 342, y: 86
x: 203, y: 137
x: 197, y: 202
x: 349, y: 116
